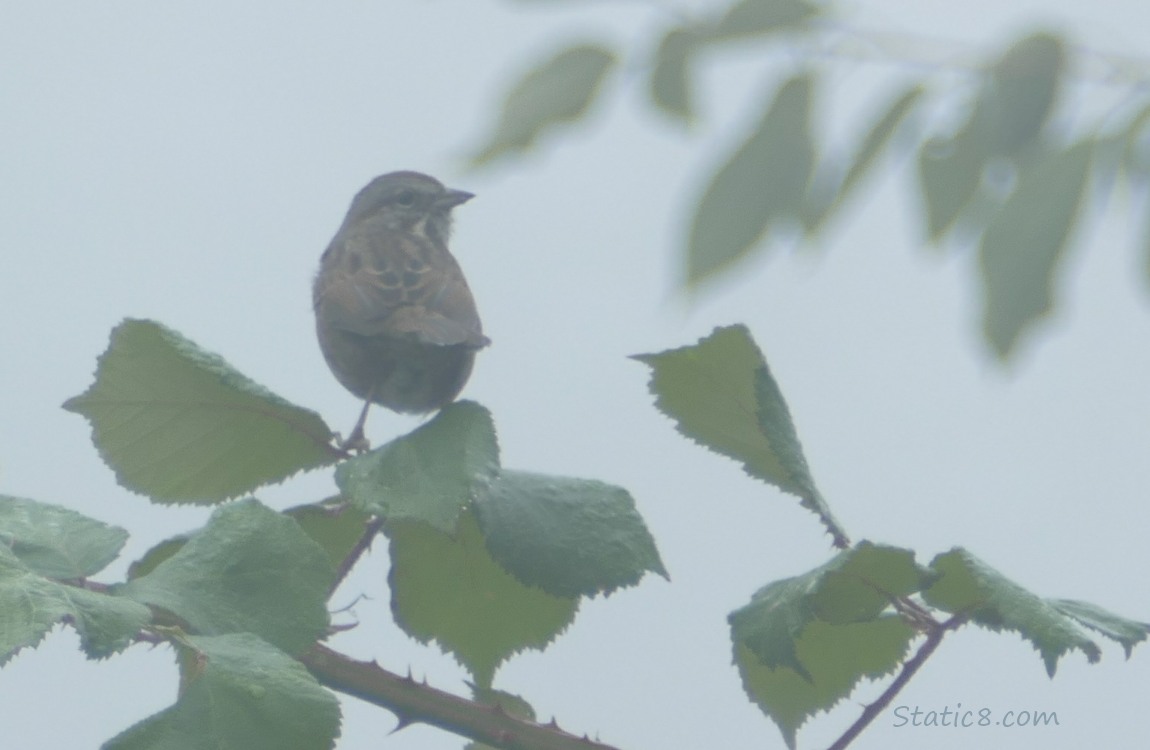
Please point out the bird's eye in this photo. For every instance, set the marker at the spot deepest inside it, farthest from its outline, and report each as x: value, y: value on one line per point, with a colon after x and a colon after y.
x: 405, y: 198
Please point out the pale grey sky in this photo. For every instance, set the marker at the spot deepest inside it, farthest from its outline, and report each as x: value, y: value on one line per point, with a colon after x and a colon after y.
x: 188, y: 162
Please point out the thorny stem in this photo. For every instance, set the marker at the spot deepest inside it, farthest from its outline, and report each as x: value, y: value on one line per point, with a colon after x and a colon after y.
x: 417, y: 702
x: 413, y: 701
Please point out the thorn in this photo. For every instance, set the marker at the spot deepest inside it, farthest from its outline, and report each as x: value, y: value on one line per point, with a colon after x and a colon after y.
x: 553, y: 724
x: 401, y: 722
x: 409, y: 677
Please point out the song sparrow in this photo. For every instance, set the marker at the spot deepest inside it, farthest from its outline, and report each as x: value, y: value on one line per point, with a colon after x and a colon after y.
x: 395, y: 318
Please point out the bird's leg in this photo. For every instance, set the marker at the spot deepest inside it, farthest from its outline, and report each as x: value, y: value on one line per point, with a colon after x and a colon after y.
x: 356, y: 441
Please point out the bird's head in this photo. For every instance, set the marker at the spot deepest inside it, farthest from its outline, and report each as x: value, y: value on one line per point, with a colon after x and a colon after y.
x: 408, y: 202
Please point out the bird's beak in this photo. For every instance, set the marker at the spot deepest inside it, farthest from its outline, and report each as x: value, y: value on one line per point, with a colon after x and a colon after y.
x: 453, y: 198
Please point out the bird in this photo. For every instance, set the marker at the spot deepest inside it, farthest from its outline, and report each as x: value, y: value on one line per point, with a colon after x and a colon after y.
x: 395, y: 318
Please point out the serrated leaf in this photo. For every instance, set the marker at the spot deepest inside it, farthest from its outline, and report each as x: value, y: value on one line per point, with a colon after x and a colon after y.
x: 431, y: 473
x: 836, y: 657
x: 721, y: 394
x: 1025, y: 241
x: 764, y: 181
x: 106, y: 624
x: 864, y: 583
x: 557, y: 90
x: 333, y: 525
x: 450, y: 590
x: 857, y: 585
x: 969, y: 586
x: 749, y: 18
x: 56, y: 542
x: 239, y: 692
x: 1129, y: 633
x: 31, y: 605
x: 249, y: 569
x: 179, y: 424
x: 1020, y: 92
x: 824, y: 202
x: 569, y: 537
x: 670, y: 74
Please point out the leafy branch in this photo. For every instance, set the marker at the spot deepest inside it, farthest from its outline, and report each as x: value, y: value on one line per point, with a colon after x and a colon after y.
x: 1003, y: 168
x: 489, y: 561
x: 486, y: 561
x: 871, y: 712
x: 802, y: 644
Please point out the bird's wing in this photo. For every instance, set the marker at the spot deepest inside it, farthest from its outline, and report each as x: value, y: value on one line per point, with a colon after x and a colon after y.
x: 380, y: 282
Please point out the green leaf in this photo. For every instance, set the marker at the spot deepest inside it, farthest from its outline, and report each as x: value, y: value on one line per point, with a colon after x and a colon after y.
x: 156, y: 555
x: 721, y: 394
x: 449, y: 589
x: 181, y: 425
x: 429, y: 474
x: 969, y: 586
x: 569, y: 537
x: 857, y: 585
x: 765, y: 180
x: 803, y: 643
x: 825, y: 202
x: 751, y: 18
x: 56, y: 542
x: 249, y: 569
x: 880, y: 135
x: 949, y: 172
x: 1025, y: 242
x: 558, y: 90
x: 239, y: 692
x: 670, y: 76
x: 31, y: 605
x: 1006, y: 119
x: 836, y: 658
x: 1129, y: 633
x: 1020, y: 93
x: 333, y: 525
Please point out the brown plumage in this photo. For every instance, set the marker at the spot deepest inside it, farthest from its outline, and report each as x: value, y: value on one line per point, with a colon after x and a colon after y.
x: 395, y: 318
